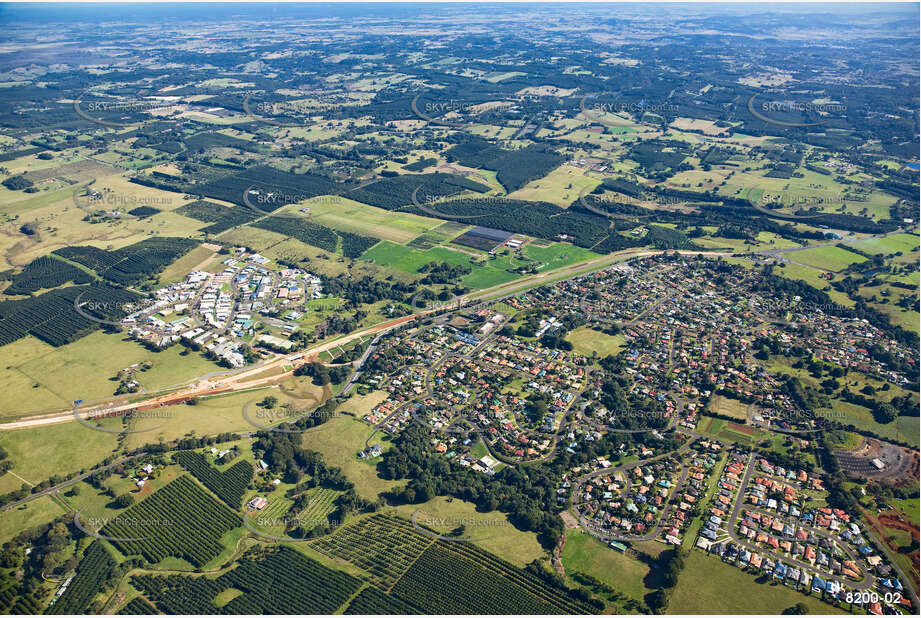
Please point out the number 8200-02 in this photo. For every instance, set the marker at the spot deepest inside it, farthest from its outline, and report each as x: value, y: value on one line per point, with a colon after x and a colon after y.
x: 870, y: 596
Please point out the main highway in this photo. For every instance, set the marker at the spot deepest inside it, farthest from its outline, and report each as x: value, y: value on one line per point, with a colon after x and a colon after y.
x: 273, y: 371
x: 267, y: 372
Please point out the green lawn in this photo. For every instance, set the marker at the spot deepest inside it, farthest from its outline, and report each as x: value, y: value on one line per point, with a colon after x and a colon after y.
x: 406, y: 259
x: 479, y: 450
x: 720, y: 428
x: 729, y: 407
x: 396, y: 256
x: 707, y: 585
x: 586, y: 340
x: 909, y: 507
x: 903, y: 428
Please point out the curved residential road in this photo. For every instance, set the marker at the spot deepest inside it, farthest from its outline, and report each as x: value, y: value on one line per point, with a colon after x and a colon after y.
x: 580, y: 483
x: 864, y: 584
x: 672, y: 423
x: 660, y: 522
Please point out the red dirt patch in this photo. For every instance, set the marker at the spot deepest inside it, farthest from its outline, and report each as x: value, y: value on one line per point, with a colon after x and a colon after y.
x: 893, y: 520
x: 897, y: 523
x: 743, y: 429
x: 914, y: 469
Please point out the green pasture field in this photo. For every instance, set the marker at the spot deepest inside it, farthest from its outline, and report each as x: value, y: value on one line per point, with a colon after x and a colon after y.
x: 811, y: 184
x: 216, y: 414
x: 38, y: 453
x: 402, y: 258
x: 890, y: 244
x: 778, y: 364
x: 827, y: 258
x: 254, y: 238
x: 493, y: 530
x: 493, y: 131
x: 585, y: 554
x: 45, y: 378
x: 903, y: 428
x: 898, y: 316
x: 61, y: 223
x: 29, y: 515
x: 348, y: 215
x: 94, y: 503
x: 802, y: 273
x: 340, y: 439
x: 181, y: 267
x: 909, y: 507
x: 560, y: 186
x: 719, y: 428
x: 493, y: 272
x: 557, y: 255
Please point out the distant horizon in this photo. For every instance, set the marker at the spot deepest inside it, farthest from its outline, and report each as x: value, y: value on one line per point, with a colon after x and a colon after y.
x: 216, y: 9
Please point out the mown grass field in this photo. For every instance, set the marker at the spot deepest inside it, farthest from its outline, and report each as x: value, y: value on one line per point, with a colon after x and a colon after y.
x: 586, y: 341
x: 726, y: 430
x: 350, y: 216
x: 408, y: 260
x: 557, y: 255
x: 486, y: 271
x: 729, y: 407
x: 482, y: 275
